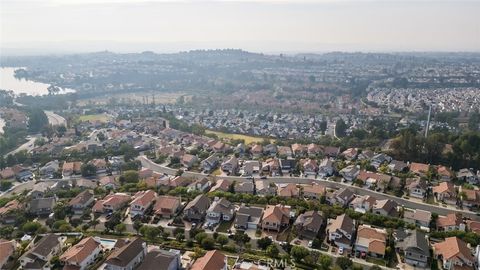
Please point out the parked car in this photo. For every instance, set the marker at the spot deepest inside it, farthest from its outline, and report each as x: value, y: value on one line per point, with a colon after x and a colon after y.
x: 340, y: 250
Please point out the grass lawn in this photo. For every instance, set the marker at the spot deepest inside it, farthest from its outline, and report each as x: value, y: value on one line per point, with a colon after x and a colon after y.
x: 224, y: 226
x: 231, y: 261
x: 94, y: 117
x: 376, y: 261
x: 246, y: 138
x: 431, y: 200
x: 218, y: 171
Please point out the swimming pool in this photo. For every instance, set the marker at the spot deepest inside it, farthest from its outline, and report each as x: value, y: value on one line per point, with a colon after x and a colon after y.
x: 107, y: 243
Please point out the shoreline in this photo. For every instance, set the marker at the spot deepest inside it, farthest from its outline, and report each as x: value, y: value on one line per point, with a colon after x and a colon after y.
x: 25, y: 86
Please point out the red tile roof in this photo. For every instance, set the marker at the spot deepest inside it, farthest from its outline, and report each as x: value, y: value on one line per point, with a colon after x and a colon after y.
x: 213, y: 260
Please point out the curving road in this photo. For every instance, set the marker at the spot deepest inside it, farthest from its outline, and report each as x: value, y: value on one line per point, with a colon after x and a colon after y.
x: 147, y: 163
x: 55, y: 119
x: 29, y: 145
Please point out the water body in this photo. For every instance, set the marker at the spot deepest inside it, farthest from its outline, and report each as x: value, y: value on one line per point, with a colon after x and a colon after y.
x: 2, y: 124
x: 19, y: 86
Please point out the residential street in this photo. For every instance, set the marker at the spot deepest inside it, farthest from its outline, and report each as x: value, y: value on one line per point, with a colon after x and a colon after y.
x: 330, y: 184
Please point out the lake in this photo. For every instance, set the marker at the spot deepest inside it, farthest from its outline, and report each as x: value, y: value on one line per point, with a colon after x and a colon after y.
x: 2, y: 124
x: 18, y: 86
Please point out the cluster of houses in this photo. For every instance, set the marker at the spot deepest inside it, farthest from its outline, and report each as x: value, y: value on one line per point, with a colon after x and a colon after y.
x: 247, y: 160
x: 414, y: 245
x: 109, y: 254
x: 343, y: 232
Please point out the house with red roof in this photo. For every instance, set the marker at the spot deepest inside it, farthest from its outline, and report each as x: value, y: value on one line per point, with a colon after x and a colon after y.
x: 81, y: 255
x: 288, y: 191
x: 142, y: 200
x: 445, y: 192
x: 420, y: 169
x: 371, y: 241
x: 212, y: 260
x: 451, y: 222
x: 166, y: 206
x: 445, y: 173
x: 7, y: 248
x: 111, y: 203
x: 276, y: 217
x: 454, y: 254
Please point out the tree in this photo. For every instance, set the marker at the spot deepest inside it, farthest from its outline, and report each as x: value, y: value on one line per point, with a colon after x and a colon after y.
x: 241, y: 237
x: 52, y: 89
x: 474, y: 121
x: 39, y: 142
x: 3, y: 163
x: 323, y: 126
x: 65, y: 228
x: 264, y: 242
x: 272, y: 251
x: 200, y: 236
x: 340, y: 128
x: 165, y: 235
x: 55, y: 262
x: 344, y: 263
x: 174, y: 160
x: 60, y: 211
x: 101, y: 137
x: 94, y: 223
x: 129, y: 177
x: 113, y: 221
x: 120, y: 228
x: 222, y: 240
x: 88, y: 169
x: 208, y: 243
x: 180, y: 237
x: 325, y: 262
x: 5, y: 185
x: 299, y: 252
x: 6, y: 231
x: 137, y: 225
x: 61, y: 130
x: 150, y: 232
x: 129, y: 153
x: 37, y: 119
x: 31, y: 227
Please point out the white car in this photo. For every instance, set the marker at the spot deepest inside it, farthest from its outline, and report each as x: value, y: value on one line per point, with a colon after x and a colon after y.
x: 310, y: 244
x: 340, y: 250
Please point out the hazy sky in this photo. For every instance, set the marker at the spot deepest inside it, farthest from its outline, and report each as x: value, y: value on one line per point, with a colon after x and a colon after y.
x: 266, y: 26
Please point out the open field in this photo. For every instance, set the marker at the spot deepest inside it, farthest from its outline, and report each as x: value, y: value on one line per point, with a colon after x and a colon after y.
x: 138, y: 97
x: 248, y: 139
x: 94, y: 117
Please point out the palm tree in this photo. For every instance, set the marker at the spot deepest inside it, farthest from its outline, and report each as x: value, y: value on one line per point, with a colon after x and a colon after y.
x: 94, y: 223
